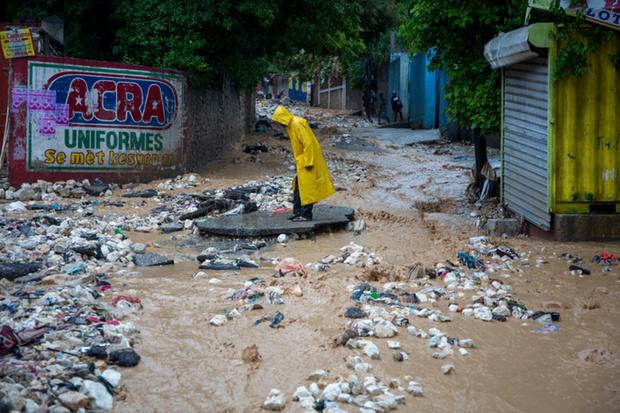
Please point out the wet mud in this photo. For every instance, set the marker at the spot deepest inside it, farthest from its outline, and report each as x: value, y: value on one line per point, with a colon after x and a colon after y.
x: 189, y: 365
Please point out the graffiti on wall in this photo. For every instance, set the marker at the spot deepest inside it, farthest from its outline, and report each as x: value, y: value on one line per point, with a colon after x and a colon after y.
x: 85, y: 118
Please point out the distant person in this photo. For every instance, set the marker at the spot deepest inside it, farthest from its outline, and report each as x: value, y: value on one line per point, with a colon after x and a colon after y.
x: 368, y: 99
x: 397, y: 106
x: 312, y: 182
x: 383, y: 109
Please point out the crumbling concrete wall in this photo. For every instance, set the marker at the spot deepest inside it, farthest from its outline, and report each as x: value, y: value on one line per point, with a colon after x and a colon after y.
x: 217, y: 120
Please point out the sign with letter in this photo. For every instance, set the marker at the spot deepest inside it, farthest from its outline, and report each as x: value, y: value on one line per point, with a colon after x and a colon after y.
x: 16, y: 43
x: 605, y: 12
x: 99, y: 118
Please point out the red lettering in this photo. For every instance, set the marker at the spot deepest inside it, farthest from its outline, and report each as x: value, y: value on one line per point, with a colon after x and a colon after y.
x: 154, y: 105
x: 102, y: 87
x: 129, y: 97
x: 76, y: 99
x: 613, y: 5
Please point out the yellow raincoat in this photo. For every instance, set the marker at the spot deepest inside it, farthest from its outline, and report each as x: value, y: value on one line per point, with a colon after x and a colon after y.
x: 313, y: 177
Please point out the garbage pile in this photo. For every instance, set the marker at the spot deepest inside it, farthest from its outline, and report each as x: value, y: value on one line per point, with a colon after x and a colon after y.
x: 606, y: 260
x: 181, y: 182
x: 383, y: 312
x: 577, y: 265
x: 352, y: 254
x: 256, y: 294
x: 52, y: 192
x: 316, y: 117
x: 59, y: 346
x: 58, y: 333
x: 177, y: 212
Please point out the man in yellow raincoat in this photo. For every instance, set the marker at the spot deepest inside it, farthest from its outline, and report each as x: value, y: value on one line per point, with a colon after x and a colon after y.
x: 312, y: 182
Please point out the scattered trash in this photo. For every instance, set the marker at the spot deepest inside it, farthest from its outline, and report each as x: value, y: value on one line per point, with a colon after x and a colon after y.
x: 256, y: 149
x: 605, y: 258
x: 545, y: 317
x: 151, y: 259
x: 549, y: 328
x: 354, y: 312
x: 147, y: 193
x: 291, y: 266
x: 218, y: 320
x: 16, y: 270
x: 276, y: 319
x: 250, y: 354
x: 447, y: 369
x: 469, y: 261
x: 577, y: 270
x: 275, y: 401
x: 126, y: 357
x: 128, y: 298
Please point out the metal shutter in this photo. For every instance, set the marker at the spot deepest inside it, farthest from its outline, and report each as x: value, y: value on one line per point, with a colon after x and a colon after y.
x: 525, y: 167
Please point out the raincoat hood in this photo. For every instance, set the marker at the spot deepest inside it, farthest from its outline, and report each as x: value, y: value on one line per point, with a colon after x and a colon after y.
x: 282, y: 116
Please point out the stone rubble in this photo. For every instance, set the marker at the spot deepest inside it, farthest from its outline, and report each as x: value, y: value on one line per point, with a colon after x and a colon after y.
x: 322, y: 118
x: 63, y: 319
x: 58, y: 263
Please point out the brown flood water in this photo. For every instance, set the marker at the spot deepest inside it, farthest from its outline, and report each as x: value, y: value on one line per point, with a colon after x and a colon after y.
x: 189, y: 366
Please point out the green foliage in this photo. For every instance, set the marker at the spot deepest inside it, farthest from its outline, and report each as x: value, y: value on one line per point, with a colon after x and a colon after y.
x: 209, y: 39
x: 89, y: 24
x: 240, y: 39
x: 457, y: 31
x: 371, y: 47
x: 577, y: 40
x: 378, y: 19
x: 377, y: 52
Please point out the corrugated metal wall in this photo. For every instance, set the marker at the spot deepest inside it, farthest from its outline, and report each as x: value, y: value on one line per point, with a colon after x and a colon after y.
x: 525, y: 140
x: 587, y: 136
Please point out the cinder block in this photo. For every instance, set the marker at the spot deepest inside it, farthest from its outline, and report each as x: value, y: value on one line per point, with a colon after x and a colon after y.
x: 500, y: 226
x: 586, y: 227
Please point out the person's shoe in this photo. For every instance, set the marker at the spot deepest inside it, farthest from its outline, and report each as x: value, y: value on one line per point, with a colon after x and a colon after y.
x: 292, y: 217
x: 301, y: 219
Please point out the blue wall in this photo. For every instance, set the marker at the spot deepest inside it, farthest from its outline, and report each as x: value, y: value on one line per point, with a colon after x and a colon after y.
x: 428, y: 102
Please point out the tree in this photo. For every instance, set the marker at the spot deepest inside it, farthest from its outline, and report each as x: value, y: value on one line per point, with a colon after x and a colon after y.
x: 240, y: 39
x: 89, y: 24
x: 457, y: 32
x: 208, y: 39
x: 379, y: 18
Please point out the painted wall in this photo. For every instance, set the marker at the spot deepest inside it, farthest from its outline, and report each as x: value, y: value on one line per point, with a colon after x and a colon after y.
x: 586, y: 135
x: 427, y: 94
x: 74, y: 118
x: 297, y: 90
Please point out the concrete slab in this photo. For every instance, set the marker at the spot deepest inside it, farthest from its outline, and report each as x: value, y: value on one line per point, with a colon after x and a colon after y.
x: 500, y: 226
x: 263, y: 223
x: 356, y: 144
x: 586, y: 227
x: 398, y: 136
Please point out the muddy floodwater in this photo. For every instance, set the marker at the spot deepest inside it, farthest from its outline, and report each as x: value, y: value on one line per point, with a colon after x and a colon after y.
x: 412, y: 201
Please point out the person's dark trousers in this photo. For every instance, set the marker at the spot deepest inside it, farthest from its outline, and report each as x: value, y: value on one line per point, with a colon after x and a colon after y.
x: 399, y: 113
x: 299, y: 209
